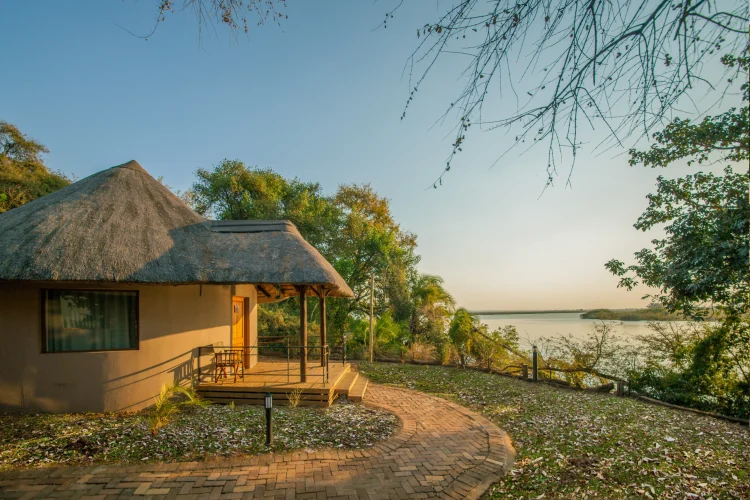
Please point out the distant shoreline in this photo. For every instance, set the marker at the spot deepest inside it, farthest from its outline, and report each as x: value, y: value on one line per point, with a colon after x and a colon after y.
x: 599, y: 314
x: 550, y: 311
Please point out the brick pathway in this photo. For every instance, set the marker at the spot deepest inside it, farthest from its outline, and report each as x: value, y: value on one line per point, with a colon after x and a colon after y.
x: 442, y: 450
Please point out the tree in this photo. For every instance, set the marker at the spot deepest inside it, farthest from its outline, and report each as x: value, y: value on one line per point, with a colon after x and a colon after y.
x: 353, y: 229
x: 23, y: 175
x: 499, y: 347
x: 369, y: 242
x: 620, y: 65
x: 462, y: 334
x: 701, y: 266
x: 390, y: 334
x: 234, y: 191
x: 695, y: 364
x: 430, y: 307
x: 704, y: 258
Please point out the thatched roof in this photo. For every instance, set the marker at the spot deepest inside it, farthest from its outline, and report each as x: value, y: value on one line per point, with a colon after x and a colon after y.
x: 121, y: 225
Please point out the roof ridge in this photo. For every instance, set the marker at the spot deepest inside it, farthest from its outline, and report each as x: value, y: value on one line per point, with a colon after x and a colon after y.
x: 253, y: 226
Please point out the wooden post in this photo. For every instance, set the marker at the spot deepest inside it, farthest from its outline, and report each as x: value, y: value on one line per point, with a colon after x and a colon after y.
x: 323, y: 332
x: 525, y: 372
x: 620, y: 388
x: 303, y: 333
x: 372, y: 308
x: 534, y: 364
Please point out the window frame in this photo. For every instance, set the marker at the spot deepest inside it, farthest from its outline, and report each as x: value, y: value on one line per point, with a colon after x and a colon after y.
x: 43, y: 309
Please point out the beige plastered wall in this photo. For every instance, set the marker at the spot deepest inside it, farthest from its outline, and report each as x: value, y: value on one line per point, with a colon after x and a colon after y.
x: 174, y: 321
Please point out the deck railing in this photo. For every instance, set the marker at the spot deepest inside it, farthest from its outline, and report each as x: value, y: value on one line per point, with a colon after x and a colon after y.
x: 276, y: 349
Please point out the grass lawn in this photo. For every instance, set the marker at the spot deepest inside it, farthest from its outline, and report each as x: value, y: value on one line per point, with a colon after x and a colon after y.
x: 194, y: 434
x: 580, y: 445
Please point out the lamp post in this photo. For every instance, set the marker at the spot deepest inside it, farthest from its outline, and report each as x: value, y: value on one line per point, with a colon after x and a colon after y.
x: 269, y: 406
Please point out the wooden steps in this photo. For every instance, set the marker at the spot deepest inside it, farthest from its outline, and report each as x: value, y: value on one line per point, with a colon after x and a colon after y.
x: 347, y: 383
x: 357, y: 393
x: 353, y: 386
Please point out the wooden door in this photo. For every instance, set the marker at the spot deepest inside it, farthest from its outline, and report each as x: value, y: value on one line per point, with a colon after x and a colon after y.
x: 238, y: 322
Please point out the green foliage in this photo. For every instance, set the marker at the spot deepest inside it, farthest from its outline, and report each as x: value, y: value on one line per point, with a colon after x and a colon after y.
x: 726, y: 135
x: 167, y: 405
x: 387, y: 331
x: 462, y: 333
x: 23, y: 175
x: 704, y: 257
x: 698, y: 365
x: 702, y: 262
x: 369, y: 242
x: 353, y: 229
x: 650, y: 314
x: 431, y: 308
x: 276, y: 320
x: 497, y: 349
x: 233, y: 191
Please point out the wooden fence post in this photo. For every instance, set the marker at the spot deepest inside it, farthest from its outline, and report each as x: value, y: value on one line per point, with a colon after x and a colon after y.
x: 620, y: 389
x: 525, y: 371
x: 534, y: 364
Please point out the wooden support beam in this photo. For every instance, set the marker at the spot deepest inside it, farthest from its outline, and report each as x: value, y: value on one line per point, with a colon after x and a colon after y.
x: 303, y: 332
x: 323, y: 331
x: 263, y: 291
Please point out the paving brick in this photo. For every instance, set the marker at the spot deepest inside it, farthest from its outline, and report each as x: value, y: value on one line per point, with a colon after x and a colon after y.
x: 441, y: 451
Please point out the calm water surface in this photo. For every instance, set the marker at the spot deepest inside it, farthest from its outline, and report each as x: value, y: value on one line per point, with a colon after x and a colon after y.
x: 531, y: 327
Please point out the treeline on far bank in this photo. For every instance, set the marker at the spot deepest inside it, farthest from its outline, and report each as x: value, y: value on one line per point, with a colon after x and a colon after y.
x: 650, y: 314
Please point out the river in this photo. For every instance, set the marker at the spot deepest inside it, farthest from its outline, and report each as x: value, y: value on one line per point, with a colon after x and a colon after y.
x: 531, y: 327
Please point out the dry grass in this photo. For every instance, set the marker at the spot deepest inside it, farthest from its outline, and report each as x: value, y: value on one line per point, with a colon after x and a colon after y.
x: 295, y: 397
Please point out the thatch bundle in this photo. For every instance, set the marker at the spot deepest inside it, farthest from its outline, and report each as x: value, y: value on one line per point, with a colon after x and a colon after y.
x: 122, y: 226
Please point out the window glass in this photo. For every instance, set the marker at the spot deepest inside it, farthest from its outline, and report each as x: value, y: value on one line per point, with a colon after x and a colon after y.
x: 80, y: 320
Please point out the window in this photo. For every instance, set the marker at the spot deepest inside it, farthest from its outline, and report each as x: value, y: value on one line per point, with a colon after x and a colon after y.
x: 87, y: 320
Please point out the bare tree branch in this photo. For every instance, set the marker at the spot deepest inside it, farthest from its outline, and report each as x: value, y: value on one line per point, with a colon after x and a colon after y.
x: 618, y: 65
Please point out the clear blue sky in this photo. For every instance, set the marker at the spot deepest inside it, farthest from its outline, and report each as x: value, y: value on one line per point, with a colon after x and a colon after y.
x: 320, y: 98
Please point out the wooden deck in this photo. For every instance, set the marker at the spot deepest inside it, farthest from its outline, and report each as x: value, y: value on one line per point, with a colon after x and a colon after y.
x: 280, y: 379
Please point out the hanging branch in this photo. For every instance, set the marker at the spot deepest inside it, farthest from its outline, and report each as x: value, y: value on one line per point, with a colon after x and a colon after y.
x: 616, y: 65
x: 237, y: 15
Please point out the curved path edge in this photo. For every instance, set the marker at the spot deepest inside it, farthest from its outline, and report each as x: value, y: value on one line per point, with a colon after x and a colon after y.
x: 442, y: 450
x: 498, y: 460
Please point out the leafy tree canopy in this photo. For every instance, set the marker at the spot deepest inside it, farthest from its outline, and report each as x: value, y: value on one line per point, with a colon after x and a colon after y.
x: 353, y: 228
x: 23, y: 175
x: 702, y: 263
x: 703, y: 260
x: 233, y: 191
x: 462, y: 333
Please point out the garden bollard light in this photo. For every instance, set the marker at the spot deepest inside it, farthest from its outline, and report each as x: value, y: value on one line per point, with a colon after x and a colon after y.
x: 269, y: 406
